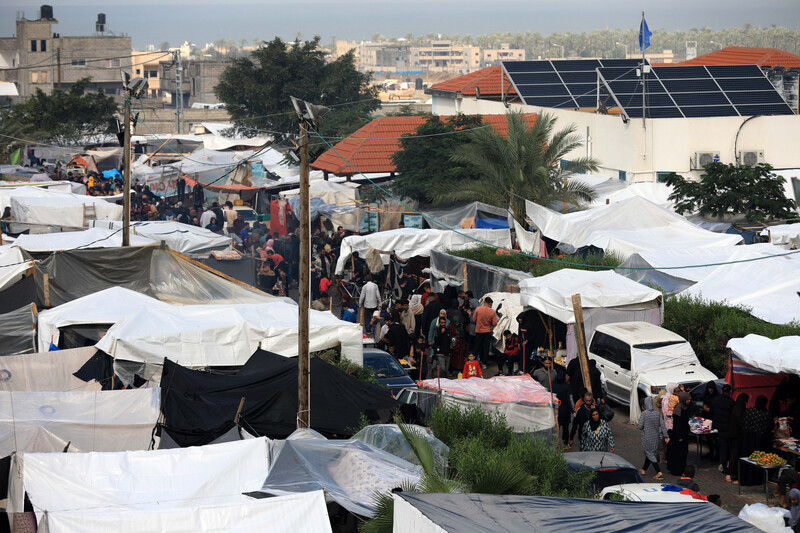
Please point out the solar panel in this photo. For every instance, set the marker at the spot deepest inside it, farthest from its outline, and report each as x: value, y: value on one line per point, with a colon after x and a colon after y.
x: 670, y: 92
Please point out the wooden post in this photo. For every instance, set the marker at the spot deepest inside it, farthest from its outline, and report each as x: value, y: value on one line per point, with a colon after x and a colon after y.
x: 126, y: 178
x: 581, y: 341
x: 46, y: 289
x: 464, y: 275
x: 304, y: 285
x: 238, y: 411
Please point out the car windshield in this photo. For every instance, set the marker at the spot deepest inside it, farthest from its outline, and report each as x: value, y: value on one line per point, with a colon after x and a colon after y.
x: 606, y: 478
x: 654, y: 345
x: 384, y: 366
x: 247, y: 214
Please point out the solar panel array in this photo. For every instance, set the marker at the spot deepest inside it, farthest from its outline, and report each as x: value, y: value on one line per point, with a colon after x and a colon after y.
x: 670, y: 92
x: 567, y: 83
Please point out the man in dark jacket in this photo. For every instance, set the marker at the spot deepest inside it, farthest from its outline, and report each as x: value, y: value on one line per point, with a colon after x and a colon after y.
x: 562, y: 392
x: 581, y: 417
x: 721, y: 408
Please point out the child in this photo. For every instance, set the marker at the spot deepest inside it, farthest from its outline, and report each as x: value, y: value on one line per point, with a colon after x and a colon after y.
x: 686, y: 479
x: 472, y: 368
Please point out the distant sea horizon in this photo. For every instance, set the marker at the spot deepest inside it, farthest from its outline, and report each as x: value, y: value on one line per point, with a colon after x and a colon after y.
x: 355, y: 20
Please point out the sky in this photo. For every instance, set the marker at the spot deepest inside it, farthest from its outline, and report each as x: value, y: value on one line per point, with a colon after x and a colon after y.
x: 204, y: 21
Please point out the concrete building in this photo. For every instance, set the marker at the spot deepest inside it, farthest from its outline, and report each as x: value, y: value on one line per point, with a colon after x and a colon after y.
x: 146, y: 65
x: 39, y: 58
x: 384, y: 57
x: 493, y: 56
x: 443, y: 56
x: 199, y: 80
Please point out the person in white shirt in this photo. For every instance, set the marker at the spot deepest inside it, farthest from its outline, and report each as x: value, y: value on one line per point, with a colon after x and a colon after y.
x: 206, y: 217
x: 370, y: 299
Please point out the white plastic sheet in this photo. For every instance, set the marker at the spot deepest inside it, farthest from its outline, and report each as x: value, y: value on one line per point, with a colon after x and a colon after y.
x: 12, y: 266
x: 18, y: 331
x: 408, y: 242
x: 106, y: 307
x: 180, y: 477
x: 96, y: 420
x: 552, y: 294
x: 46, y: 371
x: 786, y: 235
x: 90, y: 238
x: 285, y: 514
x: 183, y: 238
x: 526, y: 404
x: 769, y: 519
x: 778, y: 356
x: 52, y: 208
x: 624, y: 228
x: 223, y: 335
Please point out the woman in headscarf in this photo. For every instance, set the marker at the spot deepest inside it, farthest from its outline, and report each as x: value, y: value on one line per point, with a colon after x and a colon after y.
x: 678, y: 447
x: 794, y: 510
x: 653, y: 428
x: 596, y: 435
x: 667, y: 404
x: 757, y: 426
x: 458, y: 352
x: 709, y: 394
x: 735, y: 437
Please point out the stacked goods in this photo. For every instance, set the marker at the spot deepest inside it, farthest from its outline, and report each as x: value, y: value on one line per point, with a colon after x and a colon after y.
x: 767, y: 459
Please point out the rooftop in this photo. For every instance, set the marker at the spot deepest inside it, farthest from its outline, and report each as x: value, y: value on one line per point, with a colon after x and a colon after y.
x: 488, y: 80
x: 742, y: 55
x: 370, y: 148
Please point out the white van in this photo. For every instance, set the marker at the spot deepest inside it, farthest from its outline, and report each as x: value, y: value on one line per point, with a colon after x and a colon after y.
x: 645, y: 492
x: 626, y: 350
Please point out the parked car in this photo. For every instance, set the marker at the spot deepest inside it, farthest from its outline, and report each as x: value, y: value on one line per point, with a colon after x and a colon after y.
x: 387, y: 370
x: 657, y: 355
x: 697, y: 393
x: 611, y: 469
x: 645, y: 492
x: 248, y: 213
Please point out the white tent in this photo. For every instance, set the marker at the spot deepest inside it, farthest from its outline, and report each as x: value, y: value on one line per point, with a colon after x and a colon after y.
x: 106, y: 307
x: 46, y: 371
x: 285, y: 514
x: 778, y: 356
x: 605, y: 296
x: 42, y: 207
x: 408, y: 242
x: 179, y: 477
x: 338, y: 194
x: 223, y: 335
x: 89, y: 420
x: 183, y: 238
x: 674, y: 270
x: 786, y: 235
x: 12, y: 266
x: 90, y: 238
x: 624, y: 228
x: 768, y: 288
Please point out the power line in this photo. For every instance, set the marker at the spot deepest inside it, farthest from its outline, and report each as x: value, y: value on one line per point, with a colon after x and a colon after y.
x: 69, y: 62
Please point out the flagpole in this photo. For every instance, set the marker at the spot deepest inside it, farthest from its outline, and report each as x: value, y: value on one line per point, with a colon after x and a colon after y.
x: 644, y: 86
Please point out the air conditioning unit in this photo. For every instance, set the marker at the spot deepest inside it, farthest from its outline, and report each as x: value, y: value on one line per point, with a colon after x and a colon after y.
x: 750, y: 158
x: 702, y: 159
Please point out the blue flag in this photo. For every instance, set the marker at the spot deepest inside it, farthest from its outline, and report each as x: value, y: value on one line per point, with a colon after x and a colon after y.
x: 53, y: 348
x: 644, y: 35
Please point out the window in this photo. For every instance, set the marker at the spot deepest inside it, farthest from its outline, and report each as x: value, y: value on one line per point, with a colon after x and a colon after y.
x: 623, y: 175
x: 661, y: 175
x: 43, y: 77
x: 43, y: 47
x: 611, y: 349
x: 154, y: 73
x: 139, y: 71
x: 34, y: 77
x: 112, y: 63
x: 33, y: 45
x: 78, y: 62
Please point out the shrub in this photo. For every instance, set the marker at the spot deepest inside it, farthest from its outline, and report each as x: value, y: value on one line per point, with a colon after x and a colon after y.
x: 451, y: 424
x: 333, y: 356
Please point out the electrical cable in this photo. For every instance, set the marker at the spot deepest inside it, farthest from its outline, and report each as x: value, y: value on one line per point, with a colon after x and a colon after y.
x: 69, y: 62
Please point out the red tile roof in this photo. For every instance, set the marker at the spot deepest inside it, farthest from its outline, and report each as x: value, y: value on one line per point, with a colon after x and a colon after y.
x: 370, y: 148
x: 742, y: 55
x: 488, y: 80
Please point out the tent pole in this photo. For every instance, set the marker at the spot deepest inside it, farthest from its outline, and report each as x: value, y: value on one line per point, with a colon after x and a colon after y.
x: 581, y: 341
x: 303, y: 417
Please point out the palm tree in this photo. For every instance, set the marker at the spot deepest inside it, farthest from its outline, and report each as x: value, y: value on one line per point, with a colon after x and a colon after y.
x: 528, y: 163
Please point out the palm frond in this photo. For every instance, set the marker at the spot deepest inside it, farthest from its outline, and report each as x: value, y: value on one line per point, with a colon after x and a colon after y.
x: 503, y: 478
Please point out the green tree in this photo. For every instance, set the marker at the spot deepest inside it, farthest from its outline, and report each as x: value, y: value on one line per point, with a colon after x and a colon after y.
x: 528, y: 163
x: 67, y: 116
x: 256, y: 88
x: 424, y: 156
x: 730, y: 190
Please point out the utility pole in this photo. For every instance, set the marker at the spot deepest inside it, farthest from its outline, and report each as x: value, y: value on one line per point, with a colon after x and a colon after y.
x: 309, y: 115
x: 126, y: 182
x: 179, y: 90
x: 58, y: 65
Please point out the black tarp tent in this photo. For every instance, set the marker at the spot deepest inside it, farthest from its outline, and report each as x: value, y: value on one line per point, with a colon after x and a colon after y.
x: 490, y: 513
x: 199, y: 406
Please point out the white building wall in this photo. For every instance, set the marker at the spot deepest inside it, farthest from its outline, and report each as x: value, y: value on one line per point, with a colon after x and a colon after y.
x: 669, y: 144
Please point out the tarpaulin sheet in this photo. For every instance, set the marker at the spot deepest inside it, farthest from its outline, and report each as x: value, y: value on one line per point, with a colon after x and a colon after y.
x: 46, y: 371
x: 481, y: 278
x: 767, y: 288
x: 91, y: 421
x: 408, y: 242
x: 389, y: 438
x: 199, y: 406
x: 624, y: 228
x: 224, y: 335
x: 105, y: 307
x: 18, y: 331
x: 453, y: 215
x: 525, y: 403
x: 284, y: 514
x: 350, y: 472
x: 339, y: 215
x: 786, y: 235
x: 70, y: 240
x: 183, y: 238
x: 552, y: 293
x: 18, y: 295
x: 778, y: 356
x: 179, y: 477
x: 48, y: 208
x: 12, y: 266
x: 490, y: 513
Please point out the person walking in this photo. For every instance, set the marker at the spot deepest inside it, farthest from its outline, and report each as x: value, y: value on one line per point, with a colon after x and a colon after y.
x: 653, y: 428
x: 370, y: 299
x: 735, y: 437
x: 721, y: 408
x: 596, y: 434
x: 581, y: 417
x: 485, y: 320
x: 678, y: 447
x: 562, y: 392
